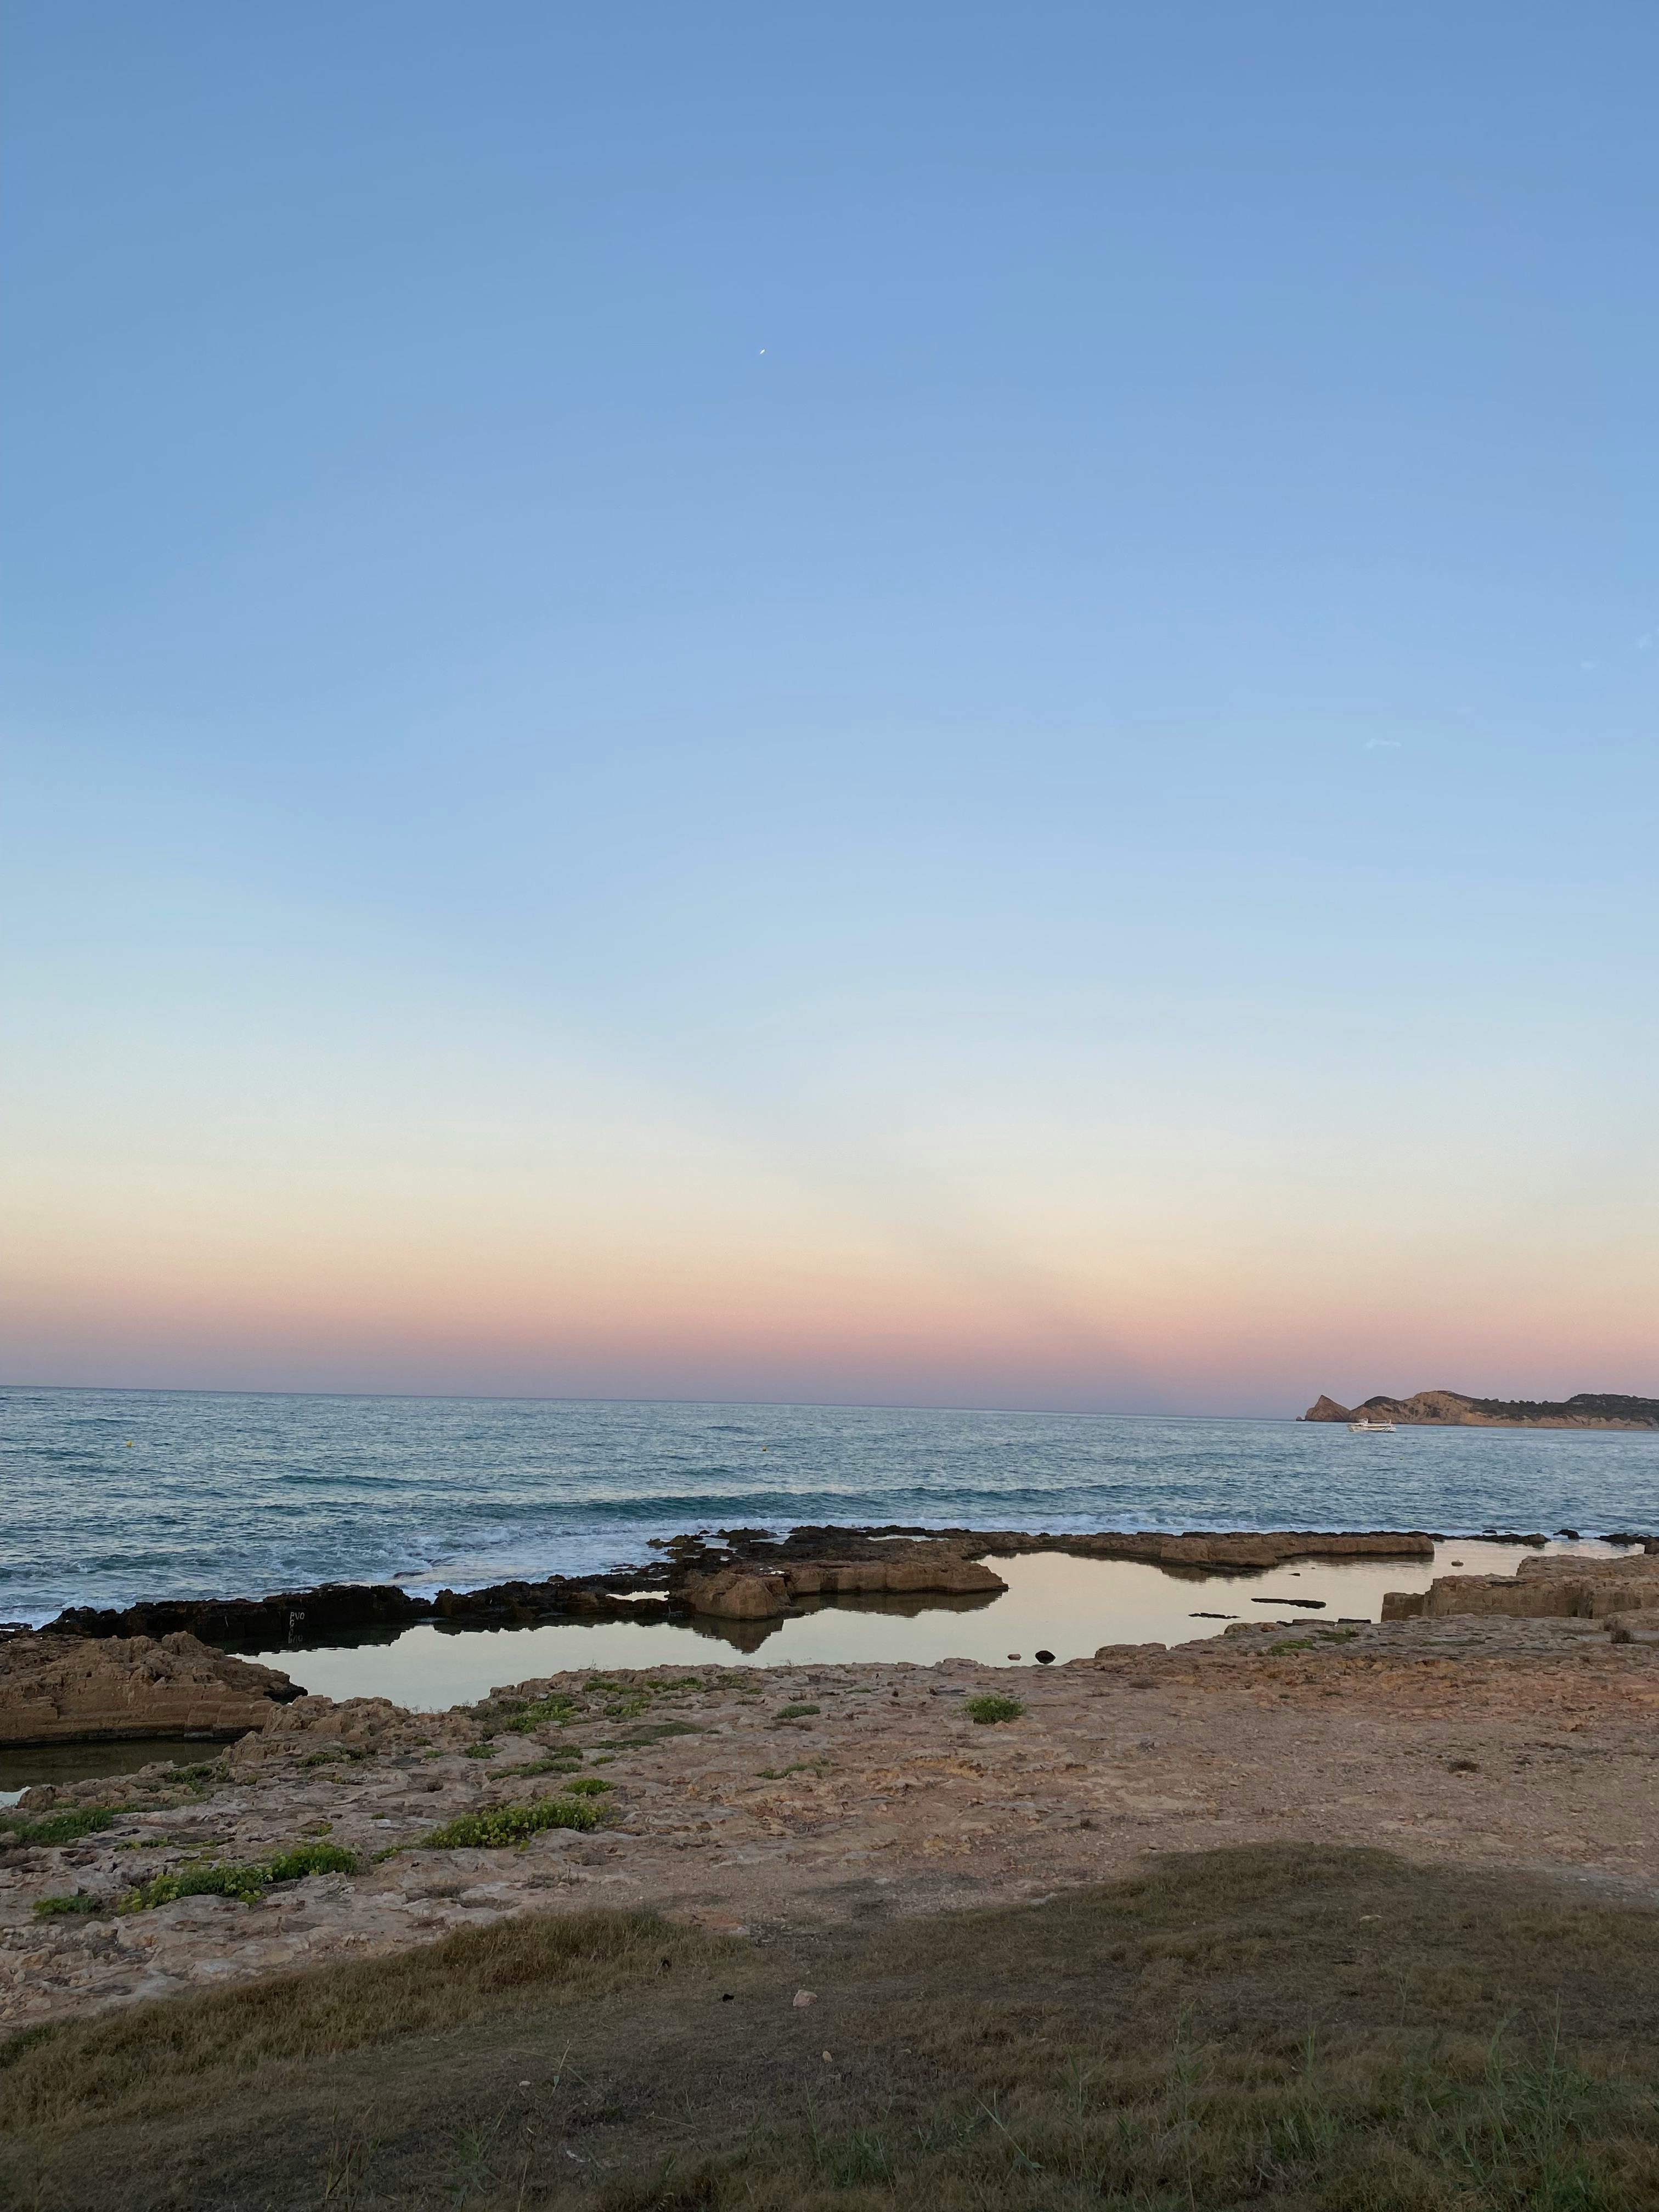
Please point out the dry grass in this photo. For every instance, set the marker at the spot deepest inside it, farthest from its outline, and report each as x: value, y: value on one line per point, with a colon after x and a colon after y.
x: 150, y: 2059
x: 1306, y: 2030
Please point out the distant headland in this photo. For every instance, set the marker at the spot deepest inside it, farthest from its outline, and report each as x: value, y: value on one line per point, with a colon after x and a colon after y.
x: 1590, y: 1409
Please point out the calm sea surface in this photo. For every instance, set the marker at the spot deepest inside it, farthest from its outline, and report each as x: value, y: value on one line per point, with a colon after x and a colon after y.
x: 108, y: 1496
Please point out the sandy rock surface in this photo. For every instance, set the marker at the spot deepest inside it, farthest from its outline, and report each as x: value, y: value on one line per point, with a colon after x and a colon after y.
x: 1575, y: 1587
x: 67, y: 1689
x: 790, y: 1795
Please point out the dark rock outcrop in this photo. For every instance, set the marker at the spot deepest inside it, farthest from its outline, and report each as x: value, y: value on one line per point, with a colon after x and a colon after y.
x: 292, y: 1619
x: 245, y: 1624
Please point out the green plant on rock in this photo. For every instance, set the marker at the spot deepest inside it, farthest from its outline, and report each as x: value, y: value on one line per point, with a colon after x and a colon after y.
x: 51, y: 1908
x: 652, y: 1732
x: 247, y: 1882
x: 204, y: 1771
x: 992, y: 1708
x: 498, y: 1826
x: 795, y: 1712
x: 589, y: 1785
x: 557, y: 1710
x: 55, y: 1827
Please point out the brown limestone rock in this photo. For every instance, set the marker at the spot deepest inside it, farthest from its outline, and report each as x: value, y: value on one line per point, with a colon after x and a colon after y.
x: 758, y: 1591
x: 1401, y: 1605
x: 936, y: 1571
x: 1573, y: 1587
x: 735, y: 1594
x: 1238, y: 1550
x: 71, y: 1689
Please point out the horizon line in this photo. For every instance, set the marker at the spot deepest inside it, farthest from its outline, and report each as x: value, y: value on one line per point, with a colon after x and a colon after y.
x: 553, y: 1398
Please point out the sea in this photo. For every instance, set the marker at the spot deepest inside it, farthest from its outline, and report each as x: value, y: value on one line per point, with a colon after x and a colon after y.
x: 108, y: 1496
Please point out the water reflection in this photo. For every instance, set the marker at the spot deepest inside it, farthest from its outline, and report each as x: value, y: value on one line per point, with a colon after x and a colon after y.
x: 22, y: 1767
x: 1069, y: 1607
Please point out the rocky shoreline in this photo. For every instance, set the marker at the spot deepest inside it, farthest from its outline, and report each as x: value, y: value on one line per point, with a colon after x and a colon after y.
x: 698, y: 1576
x: 1491, y: 1709
x: 1477, y: 1733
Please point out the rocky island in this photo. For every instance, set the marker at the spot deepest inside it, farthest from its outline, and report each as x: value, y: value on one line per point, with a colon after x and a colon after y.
x: 1588, y: 1409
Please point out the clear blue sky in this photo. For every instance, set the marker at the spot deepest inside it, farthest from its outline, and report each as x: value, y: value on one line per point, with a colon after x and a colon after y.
x: 907, y: 702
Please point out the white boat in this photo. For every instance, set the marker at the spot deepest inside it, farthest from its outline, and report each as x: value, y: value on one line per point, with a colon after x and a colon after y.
x: 1370, y: 1428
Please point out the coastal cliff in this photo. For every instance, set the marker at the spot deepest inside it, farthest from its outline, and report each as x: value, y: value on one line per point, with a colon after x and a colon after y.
x: 1589, y: 1409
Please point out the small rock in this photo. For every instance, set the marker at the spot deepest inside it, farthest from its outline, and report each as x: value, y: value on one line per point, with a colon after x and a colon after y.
x: 1045, y: 1658
x: 804, y: 1997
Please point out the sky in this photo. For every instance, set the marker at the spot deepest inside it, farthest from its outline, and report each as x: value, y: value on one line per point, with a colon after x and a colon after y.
x: 904, y: 704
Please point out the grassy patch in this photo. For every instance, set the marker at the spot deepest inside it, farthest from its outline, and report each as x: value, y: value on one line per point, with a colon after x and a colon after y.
x: 1198, y: 2129
x: 794, y: 1713
x: 556, y: 1711
x: 656, y: 1732
x: 55, y: 1827
x: 497, y: 1826
x: 590, y: 1785
x: 1291, y: 1644
x: 152, y: 2058
x: 54, y: 1908
x: 992, y: 1708
x: 1291, y: 2029
x: 247, y: 1882
x: 557, y: 1762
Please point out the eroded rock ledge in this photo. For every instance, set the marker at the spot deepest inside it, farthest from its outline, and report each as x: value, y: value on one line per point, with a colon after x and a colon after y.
x: 1574, y: 1588
x: 68, y: 1689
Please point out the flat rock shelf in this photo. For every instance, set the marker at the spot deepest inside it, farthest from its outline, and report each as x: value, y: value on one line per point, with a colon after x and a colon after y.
x: 736, y: 1798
